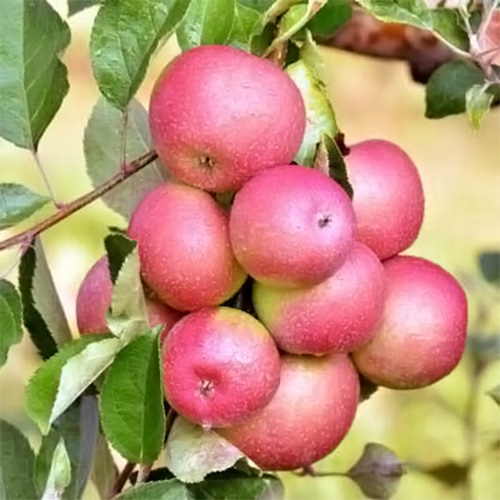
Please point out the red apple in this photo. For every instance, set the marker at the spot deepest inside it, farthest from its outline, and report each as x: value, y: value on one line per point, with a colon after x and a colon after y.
x: 218, y: 115
x: 291, y: 226
x: 184, y: 249
x: 388, y: 196
x: 94, y: 299
x: 307, y: 418
x: 339, y: 314
x: 220, y: 365
x: 422, y: 334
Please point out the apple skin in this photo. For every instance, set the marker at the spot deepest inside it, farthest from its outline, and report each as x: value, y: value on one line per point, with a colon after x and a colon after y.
x: 307, y: 418
x: 339, y: 314
x: 422, y: 334
x: 220, y: 365
x: 291, y: 226
x: 94, y: 299
x: 388, y: 196
x: 218, y: 115
x: 184, y: 249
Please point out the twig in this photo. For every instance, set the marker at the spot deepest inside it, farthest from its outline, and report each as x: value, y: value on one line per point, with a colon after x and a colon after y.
x: 144, y: 471
x: 122, y: 479
x: 123, y: 141
x: 27, y: 236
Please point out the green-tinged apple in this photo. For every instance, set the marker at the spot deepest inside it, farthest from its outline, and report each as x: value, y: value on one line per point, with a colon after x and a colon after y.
x: 220, y: 365
x: 339, y: 314
x: 388, y: 196
x: 307, y: 418
x: 94, y: 299
x: 184, y: 250
x: 291, y: 226
x: 422, y: 334
x: 218, y: 115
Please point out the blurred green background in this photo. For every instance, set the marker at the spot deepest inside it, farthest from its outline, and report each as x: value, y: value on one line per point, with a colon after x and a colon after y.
x: 460, y: 170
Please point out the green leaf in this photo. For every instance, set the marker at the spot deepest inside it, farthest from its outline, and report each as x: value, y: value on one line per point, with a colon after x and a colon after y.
x: 449, y: 473
x: 17, y: 203
x: 78, y: 427
x: 104, y: 471
x: 33, y: 80
x: 102, y: 145
x: 42, y: 389
x: 495, y: 394
x: 124, y: 36
x: 59, y: 474
x: 247, y: 25
x: 477, y: 104
x: 127, y: 316
x: 10, y: 318
x: 377, y: 472
x: 330, y: 18
x: 448, y: 25
x: 192, y: 452
x: 489, y: 263
x: 43, y: 313
x: 170, y: 489
x: 319, y: 113
x: 131, y: 403
x: 75, y: 6
x: 16, y: 464
x: 206, y: 22
x: 294, y: 20
x: 447, y: 87
x: 483, y: 348
x: 279, y: 7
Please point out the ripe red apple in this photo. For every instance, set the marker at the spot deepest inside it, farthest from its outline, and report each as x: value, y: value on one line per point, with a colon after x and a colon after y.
x: 94, y: 298
x: 422, y: 334
x: 218, y: 115
x: 307, y: 418
x: 184, y: 249
x: 220, y: 365
x: 388, y: 196
x: 339, y: 314
x: 291, y: 226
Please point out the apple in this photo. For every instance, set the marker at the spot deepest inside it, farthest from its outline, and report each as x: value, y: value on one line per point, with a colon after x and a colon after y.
x: 339, y: 314
x: 308, y: 417
x: 388, y: 196
x: 218, y: 115
x: 422, y: 334
x: 184, y: 249
x: 220, y: 365
x: 94, y: 299
x: 291, y: 226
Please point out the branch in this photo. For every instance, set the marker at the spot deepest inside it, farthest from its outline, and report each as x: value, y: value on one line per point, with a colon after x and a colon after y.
x: 122, y: 479
x: 25, y: 237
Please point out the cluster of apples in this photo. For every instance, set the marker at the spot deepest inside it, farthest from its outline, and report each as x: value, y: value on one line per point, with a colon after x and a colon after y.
x: 331, y: 295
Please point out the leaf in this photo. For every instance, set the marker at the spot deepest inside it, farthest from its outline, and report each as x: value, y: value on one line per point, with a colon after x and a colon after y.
x: 43, y: 314
x: 170, y: 489
x: 330, y: 18
x: 17, y: 203
x: 102, y: 146
x: 329, y: 160
x: 34, y: 81
x: 10, y: 318
x: 483, y: 348
x: 448, y: 25
x: 127, y: 316
x: 59, y: 474
x: 75, y: 6
x: 320, y: 117
x: 377, y: 472
x: 247, y: 24
x: 477, y: 104
x: 124, y: 36
x: 192, y: 452
x: 279, y: 7
x: 104, y: 471
x: 131, y: 404
x: 294, y: 20
x: 16, y: 464
x: 495, y: 394
x: 449, y: 473
x: 489, y: 263
x: 42, y: 389
x: 206, y: 22
x: 78, y: 427
x: 446, y: 89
